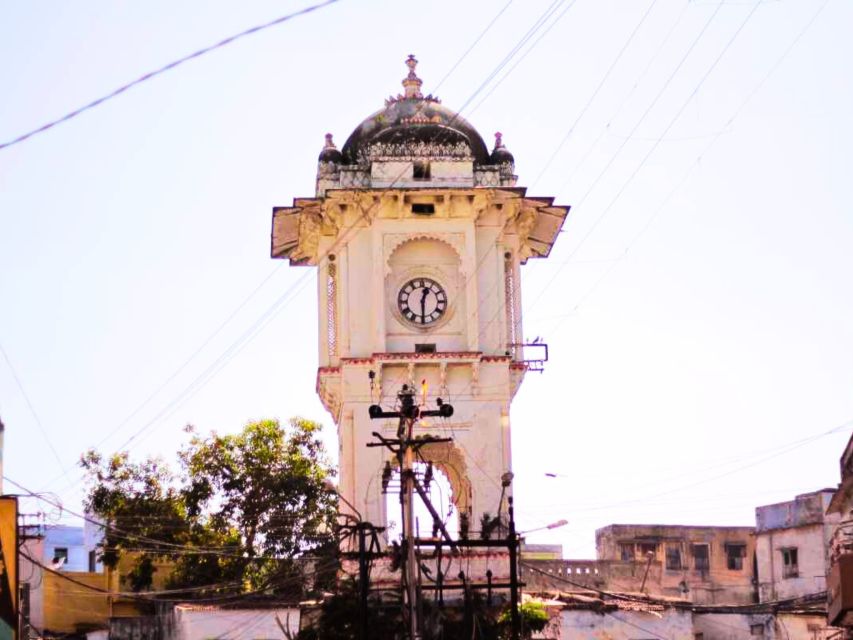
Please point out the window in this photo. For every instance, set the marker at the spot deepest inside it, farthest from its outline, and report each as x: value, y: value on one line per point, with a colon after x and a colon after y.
x: 425, y: 348
x: 756, y: 630
x: 701, y: 557
x: 699, y: 636
x: 626, y: 551
x: 60, y: 556
x: 420, y: 170
x: 646, y: 548
x: 425, y: 209
x: 734, y: 556
x: 673, y: 557
x: 789, y: 563
x: 93, y: 561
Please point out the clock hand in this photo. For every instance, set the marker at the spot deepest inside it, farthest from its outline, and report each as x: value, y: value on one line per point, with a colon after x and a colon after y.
x: 424, y: 295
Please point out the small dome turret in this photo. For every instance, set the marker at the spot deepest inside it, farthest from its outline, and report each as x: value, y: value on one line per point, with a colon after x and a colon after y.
x: 500, y: 154
x: 330, y: 152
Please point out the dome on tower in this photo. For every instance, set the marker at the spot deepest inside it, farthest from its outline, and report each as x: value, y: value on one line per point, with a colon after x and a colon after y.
x: 414, y: 124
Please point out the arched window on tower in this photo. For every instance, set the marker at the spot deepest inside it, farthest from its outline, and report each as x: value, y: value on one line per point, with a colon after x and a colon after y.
x: 437, y: 486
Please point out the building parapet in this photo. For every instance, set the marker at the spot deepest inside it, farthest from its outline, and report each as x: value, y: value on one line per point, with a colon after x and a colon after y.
x: 805, y: 509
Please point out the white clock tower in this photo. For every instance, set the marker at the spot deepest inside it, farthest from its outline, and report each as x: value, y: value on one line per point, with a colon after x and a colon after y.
x: 418, y: 232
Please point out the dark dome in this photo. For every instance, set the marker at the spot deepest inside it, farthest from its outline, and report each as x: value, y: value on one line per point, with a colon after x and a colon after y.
x: 414, y: 120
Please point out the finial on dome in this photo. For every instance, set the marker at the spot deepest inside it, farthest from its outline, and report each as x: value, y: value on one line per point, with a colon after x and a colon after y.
x: 329, y: 144
x: 412, y: 83
x: 499, y: 140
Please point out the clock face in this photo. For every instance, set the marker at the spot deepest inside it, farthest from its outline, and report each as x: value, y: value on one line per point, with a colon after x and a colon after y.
x: 422, y: 301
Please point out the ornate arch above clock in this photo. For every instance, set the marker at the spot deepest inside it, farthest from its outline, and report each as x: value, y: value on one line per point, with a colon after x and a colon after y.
x: 392, y: 242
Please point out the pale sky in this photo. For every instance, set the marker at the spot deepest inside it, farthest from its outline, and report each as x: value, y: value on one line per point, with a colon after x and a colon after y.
x: 697, y: 306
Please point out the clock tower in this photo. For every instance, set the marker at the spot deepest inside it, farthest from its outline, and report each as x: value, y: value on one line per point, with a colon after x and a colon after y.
x: 417, y: 232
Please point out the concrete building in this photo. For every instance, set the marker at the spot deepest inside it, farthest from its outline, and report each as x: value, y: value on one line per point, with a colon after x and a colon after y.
x: 625, y: 616
x: 840, y: 578
x: 800, y: 622
x: 706, y: 565
x: 48, y: 601
x: 188, y: 621
x: 792, y: 546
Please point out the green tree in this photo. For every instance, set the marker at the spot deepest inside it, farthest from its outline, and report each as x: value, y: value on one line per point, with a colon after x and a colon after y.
x: 240, y: 512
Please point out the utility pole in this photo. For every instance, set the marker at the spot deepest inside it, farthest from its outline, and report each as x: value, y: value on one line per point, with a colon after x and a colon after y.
x: 515, y: 617
x: 366, y: 532
x: 405, y: 447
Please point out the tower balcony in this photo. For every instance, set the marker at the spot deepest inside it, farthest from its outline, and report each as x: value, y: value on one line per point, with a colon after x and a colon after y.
x: 468, y: 375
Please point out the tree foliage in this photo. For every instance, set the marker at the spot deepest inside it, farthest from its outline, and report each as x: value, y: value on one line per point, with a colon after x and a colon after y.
x: 239, y: 512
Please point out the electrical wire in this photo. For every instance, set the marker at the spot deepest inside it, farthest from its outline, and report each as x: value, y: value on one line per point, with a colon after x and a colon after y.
x: 32, y: 409
x: 726, y: 127
x: 185, y: 363
x: 165, y: 546
x: 155, y: 595
x: 523, y: 57
x: 595, y: 93
x: 471, y: 48
x: 153, y: 74
x: 664, y: 41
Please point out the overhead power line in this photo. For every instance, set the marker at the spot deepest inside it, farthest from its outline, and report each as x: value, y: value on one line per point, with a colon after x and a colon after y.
x: 594, y: 93
x: 157, y: 595
x: 153, y: 74
x: 32, y: 409
x: 473, y: 44
x: 727, y: 127
x: 523, y: 56
x: 660, y: 138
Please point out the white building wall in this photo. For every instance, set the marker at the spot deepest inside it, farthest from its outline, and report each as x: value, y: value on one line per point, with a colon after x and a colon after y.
x: 766, y: 626
x: 811, y: 560
x: 202, y: 623
x: 671, y: 624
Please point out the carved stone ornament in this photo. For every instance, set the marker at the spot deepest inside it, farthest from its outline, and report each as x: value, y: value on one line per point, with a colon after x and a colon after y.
x: 333, y: 219
x: 417, y: 149
x: 524, y: 223
x: 487, y: 178
x: 309, y: 236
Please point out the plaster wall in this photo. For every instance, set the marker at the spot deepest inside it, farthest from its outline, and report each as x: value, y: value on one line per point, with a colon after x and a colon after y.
x: 70, y: 538
x: 624, y: 625
x: 802, y: 524
x: 67, y: 605
x: 781, y: 626
x: 812, y: 559
x: 201, y: 623
x: 31, y: 574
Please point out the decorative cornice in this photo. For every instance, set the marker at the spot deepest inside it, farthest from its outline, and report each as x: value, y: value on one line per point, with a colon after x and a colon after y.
x: 418, y: 149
